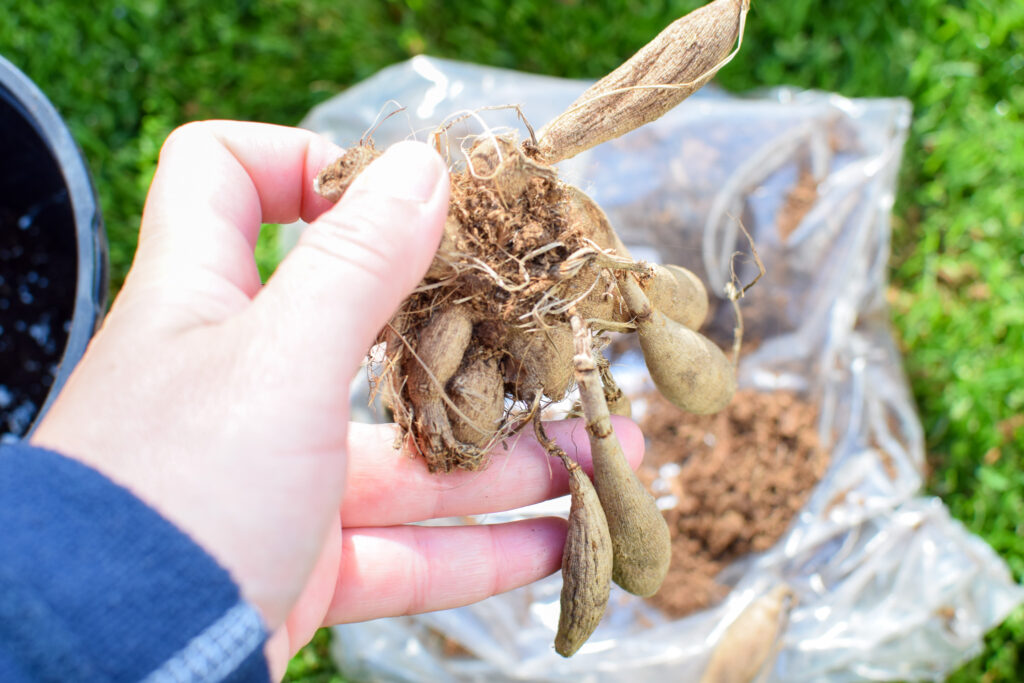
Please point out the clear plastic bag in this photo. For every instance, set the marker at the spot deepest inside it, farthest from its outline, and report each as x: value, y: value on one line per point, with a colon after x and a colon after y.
x: 887, y: 585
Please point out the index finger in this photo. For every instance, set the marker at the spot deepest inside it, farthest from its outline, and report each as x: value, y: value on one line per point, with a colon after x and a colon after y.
x: 216, y: 183
x: 387, y: 487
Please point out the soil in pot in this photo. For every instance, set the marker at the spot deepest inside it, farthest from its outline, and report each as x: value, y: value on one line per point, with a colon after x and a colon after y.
x: 38, y: 271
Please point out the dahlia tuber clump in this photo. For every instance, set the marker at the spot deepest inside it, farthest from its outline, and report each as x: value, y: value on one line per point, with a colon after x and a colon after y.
x: 528, y: 275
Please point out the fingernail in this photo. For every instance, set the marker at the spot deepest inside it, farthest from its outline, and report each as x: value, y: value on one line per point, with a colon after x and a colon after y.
x: 407, y: 170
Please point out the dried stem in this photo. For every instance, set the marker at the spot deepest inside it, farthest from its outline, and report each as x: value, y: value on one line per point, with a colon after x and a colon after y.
x: 634, y: 298
x: 592, y: 401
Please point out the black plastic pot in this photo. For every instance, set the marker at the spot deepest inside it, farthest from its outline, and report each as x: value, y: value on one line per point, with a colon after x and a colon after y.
x: 53, y: 254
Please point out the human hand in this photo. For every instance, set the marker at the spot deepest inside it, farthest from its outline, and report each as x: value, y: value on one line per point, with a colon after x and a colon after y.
x: 223, y: 403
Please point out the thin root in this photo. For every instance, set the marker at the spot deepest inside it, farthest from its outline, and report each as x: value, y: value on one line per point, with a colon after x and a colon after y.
x: 379, y: 120
x: 548, y: 444
x: 735, y: 291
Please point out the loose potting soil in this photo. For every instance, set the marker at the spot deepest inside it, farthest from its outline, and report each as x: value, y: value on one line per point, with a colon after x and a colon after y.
x: 739, y: 477
x: 38, y: 271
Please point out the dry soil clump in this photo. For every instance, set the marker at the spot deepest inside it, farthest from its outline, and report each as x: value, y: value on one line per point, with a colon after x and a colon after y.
x: 743, y: 475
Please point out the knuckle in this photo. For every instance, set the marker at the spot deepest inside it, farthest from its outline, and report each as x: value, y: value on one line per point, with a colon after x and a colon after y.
x: 186, y: 134
x: 353, y: 239
x: 419, y: 586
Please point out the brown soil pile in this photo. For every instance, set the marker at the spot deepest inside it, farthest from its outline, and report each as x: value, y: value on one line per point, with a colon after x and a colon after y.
x: 745, y: 473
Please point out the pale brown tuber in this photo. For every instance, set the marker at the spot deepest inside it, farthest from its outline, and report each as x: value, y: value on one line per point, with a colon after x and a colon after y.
x: 641, y: 544
x: 679, y: 294
x: 478, y: 398
x: 746, y: 647
x: 683, y: 57
x: 539, y: 362
x: 687, y: 367
x: 586, y: 565
x: 440, y: 348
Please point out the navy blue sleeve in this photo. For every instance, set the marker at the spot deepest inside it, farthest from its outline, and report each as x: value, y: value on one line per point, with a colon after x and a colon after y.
x: 97, y: 586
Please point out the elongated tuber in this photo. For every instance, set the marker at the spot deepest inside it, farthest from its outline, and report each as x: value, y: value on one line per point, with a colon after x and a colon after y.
x: 683, y: 57
x: 748, y: 643
x: 641, y: 545
x: 539, y: 362
x: 687, y: 367
x: 440, y: 348
x: 586, y: 565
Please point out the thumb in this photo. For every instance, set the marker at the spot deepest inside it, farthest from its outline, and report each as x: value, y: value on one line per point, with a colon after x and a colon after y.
x: 355, y: 264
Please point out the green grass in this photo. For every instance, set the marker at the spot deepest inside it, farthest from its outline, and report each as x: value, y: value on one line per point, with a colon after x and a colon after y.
x: 313, y: 664
x: 124, y: 74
